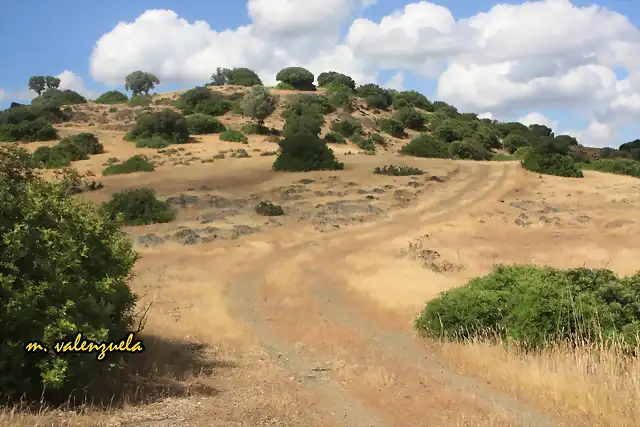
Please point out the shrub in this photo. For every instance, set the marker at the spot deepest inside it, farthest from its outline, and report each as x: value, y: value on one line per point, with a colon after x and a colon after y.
x: 137, y: 163
x: 469, y: 150
x: 551, y: 164
x: 138, y: 206
x: 269, y: 209
x: 365, y: 144
x: 318, y: 103
x: 512, y: 142
x: 113, y: 110
x: 452, y: 130
x: 70, y: 149
x: 391, y: 126
x: 398, y: 170
x: 341, y: 100
x: 338, y: 79
x: 426, y: 145
x: 112, y: 97
x: 378, y: 139
x: 166, y: 123
x: 617, y: 166
x: 259, y: 104
x: 411, y: 98
x: 35, y: 130
x: 445, y: 109
x: 88, y: 143
x: 285, y: 86
x: 235, y: 76
x: 57, y: 98
x: 65, y: 268
x: 487, y: 137
x: 199, y: 124
x: 631, y: 145
x: 139, y: 101
x: 347, y: 128
x: 232, y: 135
x: 155, y: 141
x: 298, y: 77
x: 334, y: 137
x: 308, y: 123
x: 522, y: 152
x: 204, y: 101
x: 140, y: 82
x: 410, y: 118
x: 536, y: 306
x: 375, y: 96
x: 303, y: 153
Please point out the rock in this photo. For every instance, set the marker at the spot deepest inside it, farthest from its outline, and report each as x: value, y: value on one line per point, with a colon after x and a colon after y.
x: 215, y: 216
x: 522, y: 220
x: 149, y: 240
x: 306, y: 181
x: 403, y: 195
x: 184, y: 200
x: 243, y: 230
x: 187, y: 237
x: 415, y: 184
x: 618, y: 223
x: 435, y: 178
x: 378, y: 190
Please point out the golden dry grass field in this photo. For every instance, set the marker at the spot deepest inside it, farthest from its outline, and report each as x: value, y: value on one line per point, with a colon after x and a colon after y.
x: 306, y: 319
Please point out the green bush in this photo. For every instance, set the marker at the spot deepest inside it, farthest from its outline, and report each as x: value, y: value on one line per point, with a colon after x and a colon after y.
x: 513, y: 141
x: 333, y: 78
x: 453, y: 130
x: 305, y: 152
x: 113, y: 109
x: 139, y: 101
x: 232, y: 135
x: 487, y: 137
x: 269, y: 209
x: 378, y: 139
x: 468, y: 150
x: 392, y: 127
x: 155, y: 141
x: 551, y: 164
x: 398, y: 170
x: 259, y: 104
x: 537, y: 306
x: 410, y: 118
x: 341, y: 100
x: 285, y: 86
x: 426, y: 145
x: 347, y: 128
x: 138, y: 206
x: 166, y: 123
x: 56, y: 98
x: 617, y: 166
x: 445, y: 109
x: 298, y: 77
x: 88, y: 143
x: 411, y: 98
x: 112, y: 97
x: 137, y: 163
x: 70, y: 149
x: 65, y: 268
x: 200, y: 124
x: 365, y: 144
x: 204, y: 101
x: 235, y: 76
x: 309, y: 123
x: 631, y: 145
x: 375, y: 96
x: 30, y: 123
x: 522, y: 152
x: 334, y: 137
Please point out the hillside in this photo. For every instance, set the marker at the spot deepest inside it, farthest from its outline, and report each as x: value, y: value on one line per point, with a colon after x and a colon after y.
x: 306, y: 316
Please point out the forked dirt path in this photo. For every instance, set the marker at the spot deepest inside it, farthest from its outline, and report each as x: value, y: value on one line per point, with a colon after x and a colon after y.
x: 364, y: 361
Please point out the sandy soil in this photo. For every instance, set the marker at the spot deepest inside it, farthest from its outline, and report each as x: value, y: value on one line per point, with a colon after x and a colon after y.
x: 306, y: 319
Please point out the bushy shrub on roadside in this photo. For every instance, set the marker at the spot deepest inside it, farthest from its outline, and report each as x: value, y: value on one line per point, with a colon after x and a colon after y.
x: 112, y: 97
x: 426, y: 145
x: 201, y: 124
x: 375, y: 96
x: 166, y: 123
x: 513, y: 141
x: 305, y: 152
x: 347, y: 128
x: 402, y: 170
x: 468, y: 150
x: 619, y: 166
x: 138, y: 206
x: 137, y: 163
x: 70, y: 149
x: 551, y: 164
x: 536, y: 306
x: 204, y: 101
x: 335, y: 138
x: 65, y: 268
x: 232, y: 135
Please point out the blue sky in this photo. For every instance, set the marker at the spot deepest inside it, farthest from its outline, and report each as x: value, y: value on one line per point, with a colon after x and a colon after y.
x: 41, y: 37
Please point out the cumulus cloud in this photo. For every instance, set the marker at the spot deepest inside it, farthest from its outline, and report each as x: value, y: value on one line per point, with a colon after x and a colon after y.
x: 530, y: 56
x: 395, y: 82
x: 72, y: 81
x: 536, y: 118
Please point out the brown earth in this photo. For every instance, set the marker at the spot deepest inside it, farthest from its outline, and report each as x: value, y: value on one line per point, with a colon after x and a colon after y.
x: 306, y: 319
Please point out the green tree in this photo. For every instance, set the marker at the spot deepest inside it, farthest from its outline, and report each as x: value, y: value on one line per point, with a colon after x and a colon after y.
x: 298, y: 77
x: 410, y: 118
x: 112, y: 97
x: 39, y: 84
x: 259, y: 104
x: 140, y: 82
x: 426, y: 145
x: 334, y: 78
x: 305, y: 152
x: 65, y: 268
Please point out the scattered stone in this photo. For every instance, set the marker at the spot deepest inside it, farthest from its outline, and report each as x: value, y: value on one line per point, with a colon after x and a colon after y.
x: 216, y: 216
x: 522, y: 220
x: 351, y: 184
x: 306, y: 181
x: 403, y: 195
x: 184, y: 200
x: 415, y: 184
x: 618, y: 223
x: 378, y: 190
x: 435, y: 178
x: 149, y: 240
x: 187, y: 237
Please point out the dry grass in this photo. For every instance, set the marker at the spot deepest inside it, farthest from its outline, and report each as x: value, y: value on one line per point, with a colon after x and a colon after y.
x: 595, y: 384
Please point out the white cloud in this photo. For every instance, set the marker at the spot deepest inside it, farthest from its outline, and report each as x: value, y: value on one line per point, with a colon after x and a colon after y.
x: 16, y: 96
x: 72, y: 81
x: 535, y: 118
x: 396, y: 81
